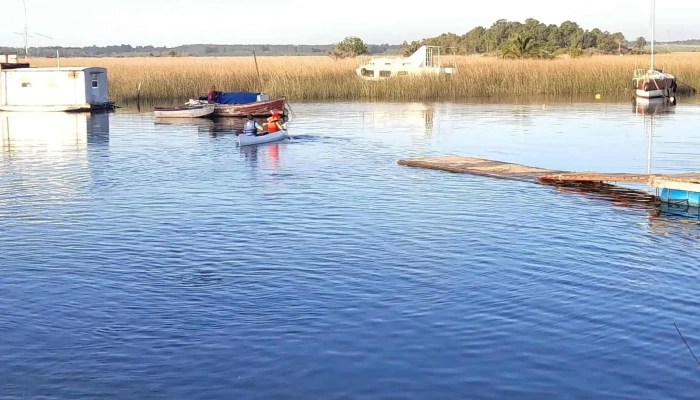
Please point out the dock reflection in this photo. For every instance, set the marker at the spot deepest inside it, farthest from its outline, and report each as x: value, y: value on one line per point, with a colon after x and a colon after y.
x: 662, y: 218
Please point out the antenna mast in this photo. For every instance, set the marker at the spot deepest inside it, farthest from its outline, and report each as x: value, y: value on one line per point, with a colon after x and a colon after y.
x: 26, y: 32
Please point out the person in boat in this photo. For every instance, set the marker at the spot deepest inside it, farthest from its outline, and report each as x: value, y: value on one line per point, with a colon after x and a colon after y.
x: 213, y: 95
x: 252, y: 127
x: 274, y: 125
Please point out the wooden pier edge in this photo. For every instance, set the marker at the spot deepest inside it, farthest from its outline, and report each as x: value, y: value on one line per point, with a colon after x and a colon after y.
x: 505, y: 170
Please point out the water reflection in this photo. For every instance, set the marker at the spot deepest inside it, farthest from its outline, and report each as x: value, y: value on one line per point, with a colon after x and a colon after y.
x: 48, y: 157
x: 617, y: 195
x: 652, y: 113
x: 214, y: 127
x: 51, y: 134
x: 203, y: 122
x: 652, y: 106
x: 411, y: 115
x: 196, y: 248
x: 673, y: 219
x: 265, y: 155
x: 662, y: 219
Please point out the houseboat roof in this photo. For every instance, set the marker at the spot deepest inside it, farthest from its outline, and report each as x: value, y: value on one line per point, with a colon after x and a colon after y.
x: 55, y: 69
x: 421, y: 58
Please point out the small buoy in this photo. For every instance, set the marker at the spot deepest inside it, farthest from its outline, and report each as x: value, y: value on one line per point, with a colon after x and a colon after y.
x: 597, y: 97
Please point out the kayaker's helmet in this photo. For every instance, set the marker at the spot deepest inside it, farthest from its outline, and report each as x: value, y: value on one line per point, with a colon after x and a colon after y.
x: 275, y: 117
x: 250, y: 116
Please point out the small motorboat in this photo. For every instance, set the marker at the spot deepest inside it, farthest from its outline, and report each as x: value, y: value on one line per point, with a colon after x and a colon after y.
x: 193, y: 111
x: 246, y: 139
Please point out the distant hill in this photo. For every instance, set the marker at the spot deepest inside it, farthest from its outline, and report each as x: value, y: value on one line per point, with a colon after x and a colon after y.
x: 197, y: 50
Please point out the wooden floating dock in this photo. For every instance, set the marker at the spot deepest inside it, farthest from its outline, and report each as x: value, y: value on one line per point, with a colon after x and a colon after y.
x: 480, y: 166
x: 674, y: 187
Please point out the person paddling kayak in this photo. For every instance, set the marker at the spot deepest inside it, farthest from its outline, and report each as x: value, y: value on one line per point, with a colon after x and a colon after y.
x: 252, y: 127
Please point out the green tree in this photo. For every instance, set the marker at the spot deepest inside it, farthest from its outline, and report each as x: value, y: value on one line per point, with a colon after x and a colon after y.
x: 641, y: 42
x: 172, y: 53
x: 353, y: 46
x: 619, y: 38
x: 549, y: 38
x: 519, y: 46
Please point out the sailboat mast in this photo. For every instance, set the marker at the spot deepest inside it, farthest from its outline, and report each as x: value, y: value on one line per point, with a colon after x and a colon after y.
x: 653, y: 31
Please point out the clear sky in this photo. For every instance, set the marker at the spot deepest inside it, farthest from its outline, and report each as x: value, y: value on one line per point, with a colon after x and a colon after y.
x: 175, y: 22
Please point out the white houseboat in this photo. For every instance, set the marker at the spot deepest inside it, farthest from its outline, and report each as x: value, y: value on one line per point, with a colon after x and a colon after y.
x: 426, y: 60
x: 54, y: 89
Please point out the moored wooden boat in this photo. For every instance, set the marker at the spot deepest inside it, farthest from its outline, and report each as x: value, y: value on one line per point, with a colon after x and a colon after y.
x: 256, y: 109
x: 249, y: 139
x: 195, y: 111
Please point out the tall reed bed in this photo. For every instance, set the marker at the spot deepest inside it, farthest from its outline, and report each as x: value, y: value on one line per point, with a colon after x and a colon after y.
x: 323, y: 79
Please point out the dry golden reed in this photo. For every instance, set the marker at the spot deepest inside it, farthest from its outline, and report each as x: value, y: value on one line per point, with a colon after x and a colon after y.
x: 323, y: 79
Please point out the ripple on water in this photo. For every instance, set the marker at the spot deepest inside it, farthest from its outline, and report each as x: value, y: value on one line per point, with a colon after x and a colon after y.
x: 163, y: 261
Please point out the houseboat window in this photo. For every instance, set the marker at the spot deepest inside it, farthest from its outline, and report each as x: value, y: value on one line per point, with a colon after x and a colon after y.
x: 402, y: 73
x: 367, y: 72
x: 385, y: 74
x: 94, y: 80
x: 26, y: 84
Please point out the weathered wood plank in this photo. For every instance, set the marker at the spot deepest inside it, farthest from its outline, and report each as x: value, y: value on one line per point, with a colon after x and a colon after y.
x: 595, y: 177
x: 504, y: 170
x: 479, y: 166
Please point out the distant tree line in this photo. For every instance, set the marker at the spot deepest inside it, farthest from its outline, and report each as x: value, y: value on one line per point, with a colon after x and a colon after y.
x: 529, y: 39
x: 210, y: 50
x: 690, y: 42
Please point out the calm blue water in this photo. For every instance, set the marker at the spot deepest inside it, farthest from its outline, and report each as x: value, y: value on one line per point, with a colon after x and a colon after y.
x: 144, y: 260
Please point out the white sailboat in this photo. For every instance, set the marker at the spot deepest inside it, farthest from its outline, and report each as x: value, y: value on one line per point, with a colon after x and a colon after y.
x: 654, y: 83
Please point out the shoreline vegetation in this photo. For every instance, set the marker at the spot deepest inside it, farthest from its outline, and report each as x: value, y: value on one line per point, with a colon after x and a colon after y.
x: 507, y: 59
x: 324, y: 79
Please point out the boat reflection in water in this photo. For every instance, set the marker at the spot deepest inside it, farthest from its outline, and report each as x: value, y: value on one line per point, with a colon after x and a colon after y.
x: 214, y: 127
x: 51, y: 133
x: 652, y: 106
x: 53, y: 155
x: 203, y: 122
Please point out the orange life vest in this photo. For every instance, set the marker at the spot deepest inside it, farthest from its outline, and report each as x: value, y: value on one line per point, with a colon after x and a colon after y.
x: 272, y: 127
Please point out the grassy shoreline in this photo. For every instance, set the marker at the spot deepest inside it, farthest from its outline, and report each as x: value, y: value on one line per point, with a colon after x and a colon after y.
x: 322, y: 79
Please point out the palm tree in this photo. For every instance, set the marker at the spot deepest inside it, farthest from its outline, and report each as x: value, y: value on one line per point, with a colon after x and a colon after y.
x: 519, y: 46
